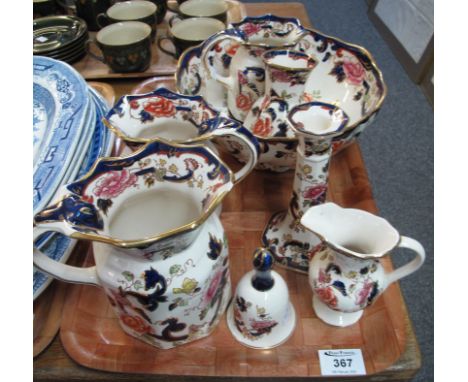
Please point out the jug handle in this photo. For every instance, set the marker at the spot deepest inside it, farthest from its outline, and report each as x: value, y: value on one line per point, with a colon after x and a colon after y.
x: 238, y: 131
x: 58, y: 270
x: 228, y: 81
x: 413, y: 265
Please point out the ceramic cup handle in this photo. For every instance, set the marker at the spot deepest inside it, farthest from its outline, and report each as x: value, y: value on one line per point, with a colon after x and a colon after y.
x: 88, y: 50
x: 66, y: 6
x: 172, y: 6
x: 413, y: 265
x: 159, y: 42
x: 58, y: 270
x: 237, y: 131
x: 102, y: 20
x: 229, y: 81
x: 175, y: 18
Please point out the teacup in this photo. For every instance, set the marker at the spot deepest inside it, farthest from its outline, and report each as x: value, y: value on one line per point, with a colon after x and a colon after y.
x: 216, y: 9
x: 161, y: 11
x: 190, y: 32
x: 138, y: 10
x: 88, y: 10
x: 126, y: 46
x: 43, y: 8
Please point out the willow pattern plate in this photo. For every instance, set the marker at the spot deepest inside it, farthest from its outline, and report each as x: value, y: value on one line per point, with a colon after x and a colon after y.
x: 57, y: 246
x: 60, y: 107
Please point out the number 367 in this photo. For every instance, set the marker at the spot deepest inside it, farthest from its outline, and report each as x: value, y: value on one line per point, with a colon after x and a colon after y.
x: 342, y: 362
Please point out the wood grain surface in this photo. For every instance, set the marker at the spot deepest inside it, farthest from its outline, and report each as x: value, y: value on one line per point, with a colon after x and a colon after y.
x: 161, y: 63
x: 47, y: 316
x: 387, y: 332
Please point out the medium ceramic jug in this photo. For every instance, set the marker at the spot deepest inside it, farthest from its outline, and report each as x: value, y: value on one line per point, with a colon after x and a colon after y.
x: 161, y: 253
x: 245, y: 80
x: 346, y: 275
x: 287, y: 72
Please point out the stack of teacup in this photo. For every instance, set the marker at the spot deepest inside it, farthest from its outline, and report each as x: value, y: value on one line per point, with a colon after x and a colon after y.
x: 194, y: 21
x: 128, y: 29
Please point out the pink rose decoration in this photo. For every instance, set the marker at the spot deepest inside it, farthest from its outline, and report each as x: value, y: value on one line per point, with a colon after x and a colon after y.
x: 280, y: 76
x: 114, y: 183
x: 242, y: 78
x: 324, y: 278
x: 251, y: 29
x: 259, y: 325
x: 364, y: 293
x: 314, y: 192
x: 191, y: 164
x: 354, y: 71
x: 213, y: 287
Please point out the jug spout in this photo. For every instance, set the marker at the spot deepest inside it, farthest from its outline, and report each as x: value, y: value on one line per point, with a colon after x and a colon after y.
x: 351, y: 231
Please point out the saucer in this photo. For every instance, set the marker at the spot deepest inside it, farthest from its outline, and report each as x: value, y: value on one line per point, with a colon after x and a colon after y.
x: 56, y: 33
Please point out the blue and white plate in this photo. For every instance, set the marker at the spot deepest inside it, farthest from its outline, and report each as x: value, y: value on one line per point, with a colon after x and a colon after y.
x: 57, y: 246
x: 60, y: 109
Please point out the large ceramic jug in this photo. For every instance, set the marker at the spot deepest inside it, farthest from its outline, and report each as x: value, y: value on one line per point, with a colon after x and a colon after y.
x: 346, y: 275
x: 160, y: 250
x: 245, y: 80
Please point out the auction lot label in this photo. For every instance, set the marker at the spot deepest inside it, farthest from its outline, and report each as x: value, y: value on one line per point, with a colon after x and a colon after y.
x: 342, y: 362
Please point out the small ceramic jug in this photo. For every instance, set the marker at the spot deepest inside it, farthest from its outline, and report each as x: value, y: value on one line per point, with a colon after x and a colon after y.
x: 245, y: 81
x: 261, y: 315
x: 160, y: 250
x: 346, y: 275
x: 286, y: 75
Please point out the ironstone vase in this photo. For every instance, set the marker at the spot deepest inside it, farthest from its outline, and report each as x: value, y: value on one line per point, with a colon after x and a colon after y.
x: 315, y: 125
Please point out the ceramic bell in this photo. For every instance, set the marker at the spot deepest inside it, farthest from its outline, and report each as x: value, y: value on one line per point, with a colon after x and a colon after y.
x: 261, y: 315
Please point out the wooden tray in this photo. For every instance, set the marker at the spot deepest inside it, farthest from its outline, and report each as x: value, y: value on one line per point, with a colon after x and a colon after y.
x: 92, y: 336
x: 47, y: 316
x: 161, y: 64
x: 48, y: 306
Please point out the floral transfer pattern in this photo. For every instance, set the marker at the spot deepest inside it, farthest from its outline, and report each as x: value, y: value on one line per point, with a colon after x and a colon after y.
x: 251, y: 85
x: 277, y: 30
x: 150, y: 171
x: 161, y: 310
x: 255, y: 328
x: 350, y: 66
x: 344, y: 283
x: 284, y: 89
x: 290, y: 243
x: 165, y: 104
x: 361, y: 106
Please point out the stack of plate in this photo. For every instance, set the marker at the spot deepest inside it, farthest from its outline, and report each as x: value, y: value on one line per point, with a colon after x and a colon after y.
x: 60, y: 37
x: 68, y: 138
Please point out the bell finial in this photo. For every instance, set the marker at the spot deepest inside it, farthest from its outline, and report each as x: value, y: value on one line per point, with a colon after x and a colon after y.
x: 262, y: 262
